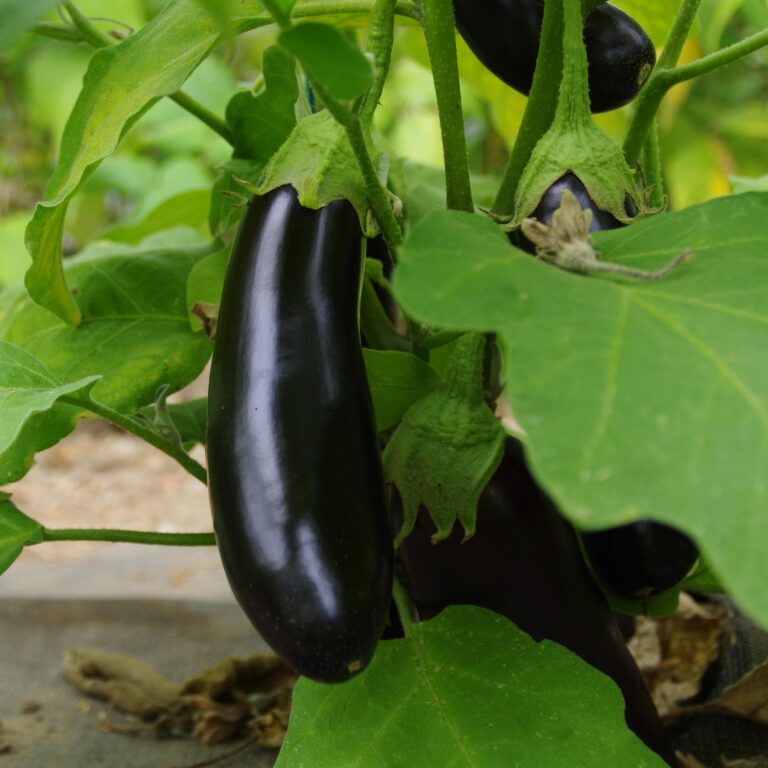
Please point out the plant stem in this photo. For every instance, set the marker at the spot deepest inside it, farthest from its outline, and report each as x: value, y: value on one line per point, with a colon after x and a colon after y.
x: 202, y: 113
x: 540, y: 109
x: 130, y: 537
x: 98, y: 39
x: 404, y: 607
x: 649, y: 100
x: 140, y: 430
x: 274, y: 9
x: 717, y: 59
x: 331, y: 7
x: 378, y: 197
x: 652, y: 167
x: 439, y: 31
x: 63, y: 32
x: 381, y: 38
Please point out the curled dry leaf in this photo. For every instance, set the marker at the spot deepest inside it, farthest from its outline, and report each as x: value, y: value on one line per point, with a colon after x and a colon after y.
x: 236, y: 698
x: 675, y: 652
x: 567, y: 243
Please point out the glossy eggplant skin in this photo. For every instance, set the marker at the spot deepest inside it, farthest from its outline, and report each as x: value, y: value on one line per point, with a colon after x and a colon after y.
x: 642, y: 559
x: 548, y: 204
x: 525, y: 563
x: 296, y: 484
x: 504, y: 35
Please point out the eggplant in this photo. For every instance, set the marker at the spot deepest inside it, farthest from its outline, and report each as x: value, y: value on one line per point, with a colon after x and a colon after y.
x: 525, y: 563
x: 640, y: 560
x: 296, y: 483
x: 504, y: 35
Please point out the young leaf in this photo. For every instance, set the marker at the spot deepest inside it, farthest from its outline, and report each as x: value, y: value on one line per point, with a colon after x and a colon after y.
x: 397, y: 379
x: 639, y: 401
x: 121, y: 83
x: 447, y: 446
x: 261, y: 122
x: 189, y: 419
x: 29, y: 416
x: 16, y: 531
x: 466, y: 689
x: 135, y: 332
x: 329, y: 58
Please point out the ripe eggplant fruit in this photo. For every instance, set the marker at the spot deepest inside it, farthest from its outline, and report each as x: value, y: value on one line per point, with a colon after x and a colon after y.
x: 296, y: 483
x: 525, y: 563
x: 504, y: 35
x: 639, y: 560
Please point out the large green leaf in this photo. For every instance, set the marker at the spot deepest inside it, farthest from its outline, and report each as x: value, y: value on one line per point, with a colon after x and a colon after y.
x: 639, y: 400
x: 135, y: 332
x: 467, y: 690
x: 30, y: 417
x: 121, y: 83
x: 16, y: 531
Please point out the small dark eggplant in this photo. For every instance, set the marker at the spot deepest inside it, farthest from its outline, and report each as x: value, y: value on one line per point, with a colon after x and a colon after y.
x: 504, y: 35
x: 639, y: 560
x: 296, y: 483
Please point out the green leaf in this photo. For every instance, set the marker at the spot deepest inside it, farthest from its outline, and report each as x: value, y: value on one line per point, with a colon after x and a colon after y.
x: 260, y: 123
x: 121, y: 83
x: 190, y: 420
x: 447, y: 446
x: 638, y: 400
x: 135, y: 332
x: 317, y: 160
x: 189, y: 208
x: 17, y: 16
x: 30, y: 418
x: 467, y: 690
x: 396, y: 379
x: 16, y: 531
x: 329, y: 58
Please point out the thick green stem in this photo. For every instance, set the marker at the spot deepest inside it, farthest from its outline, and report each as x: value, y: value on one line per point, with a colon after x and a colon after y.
x: 378, y: 197
x: 540, y: 109
x: 142, y: 431
x: 652, y: 168
x: 130, y: 537
x: 381, y: 38
x: 717, y: 59
x: 655, y: 89
x: 332, y: 7
x: 62, y: 32
x: 98, y: 39
x: 439, y: 30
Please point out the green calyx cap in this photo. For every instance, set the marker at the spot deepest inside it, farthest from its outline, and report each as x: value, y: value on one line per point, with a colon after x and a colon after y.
x: 574, y: 144
x: 447, y: 446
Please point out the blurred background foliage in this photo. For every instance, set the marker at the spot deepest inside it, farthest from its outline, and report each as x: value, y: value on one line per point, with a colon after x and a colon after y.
x: 714, y: 132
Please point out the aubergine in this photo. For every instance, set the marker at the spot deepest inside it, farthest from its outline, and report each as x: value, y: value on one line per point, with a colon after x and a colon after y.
x: 296, y: 483
x: 640, y: 560
x: 504, y: 35
x: 525, y: 563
